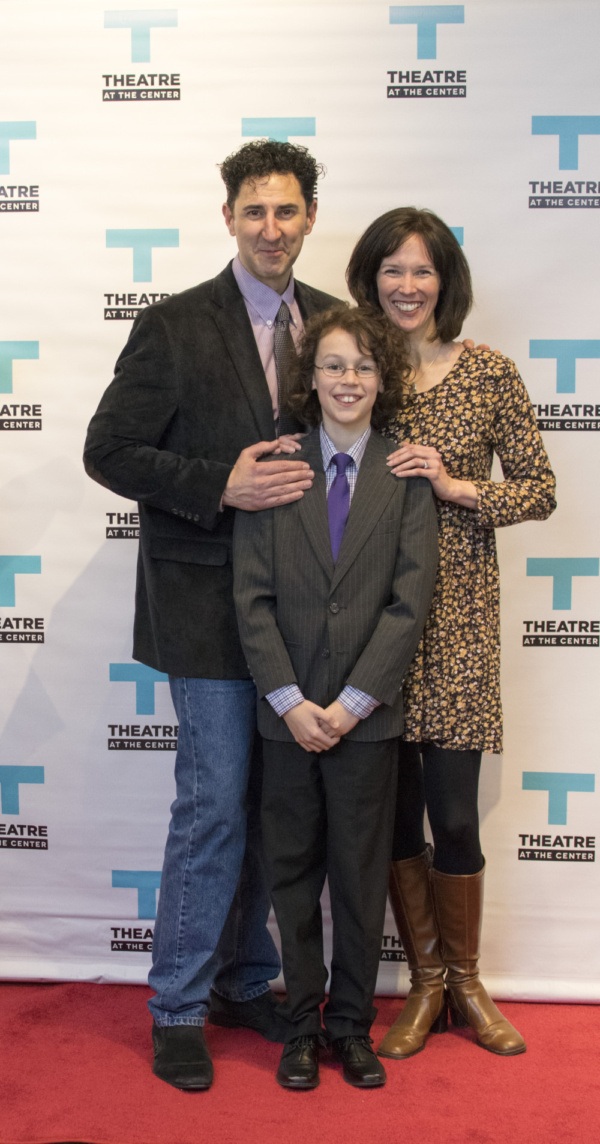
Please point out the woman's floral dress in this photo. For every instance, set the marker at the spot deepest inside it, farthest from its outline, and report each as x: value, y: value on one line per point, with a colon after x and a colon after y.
x: 452, y: 689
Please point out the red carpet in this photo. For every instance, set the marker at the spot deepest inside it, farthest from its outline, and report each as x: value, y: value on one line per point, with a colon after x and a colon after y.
x: 76, y: 1068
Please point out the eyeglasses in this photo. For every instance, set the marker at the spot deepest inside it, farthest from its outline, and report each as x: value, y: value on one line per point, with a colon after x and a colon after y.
x: 362, y: 372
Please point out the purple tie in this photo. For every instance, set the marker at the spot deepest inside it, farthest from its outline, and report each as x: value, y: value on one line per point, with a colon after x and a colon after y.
x: 338, y: 502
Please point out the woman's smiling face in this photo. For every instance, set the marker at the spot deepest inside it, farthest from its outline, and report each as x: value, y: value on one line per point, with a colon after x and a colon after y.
x: 408, y: 285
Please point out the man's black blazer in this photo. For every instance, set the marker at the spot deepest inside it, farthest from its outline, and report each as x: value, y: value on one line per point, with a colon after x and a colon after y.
x: 189, y: 393
x: 305, y: 620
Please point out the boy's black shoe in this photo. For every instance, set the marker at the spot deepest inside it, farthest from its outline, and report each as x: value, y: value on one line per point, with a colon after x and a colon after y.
x: 299, y: 1064
x: 181, y: 1057
x: 261, y: 1014
x: 361, y: 1067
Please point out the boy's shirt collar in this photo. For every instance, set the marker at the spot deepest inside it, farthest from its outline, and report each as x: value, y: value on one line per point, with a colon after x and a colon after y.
x: 356, y: 451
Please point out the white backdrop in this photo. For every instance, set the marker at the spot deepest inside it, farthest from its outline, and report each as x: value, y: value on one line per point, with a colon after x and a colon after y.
x: 112, y: 122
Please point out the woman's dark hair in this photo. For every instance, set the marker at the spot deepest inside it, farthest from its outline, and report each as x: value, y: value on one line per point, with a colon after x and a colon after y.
x: 264, y: 157
x: 375, y: 336
x: 384, y: 236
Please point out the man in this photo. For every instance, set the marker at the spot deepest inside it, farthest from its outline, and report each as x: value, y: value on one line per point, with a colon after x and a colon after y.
x: 193, y: 405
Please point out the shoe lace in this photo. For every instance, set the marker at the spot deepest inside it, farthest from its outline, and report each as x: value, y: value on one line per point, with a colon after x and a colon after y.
x: 345, y: 1042
x: 307, y: 1040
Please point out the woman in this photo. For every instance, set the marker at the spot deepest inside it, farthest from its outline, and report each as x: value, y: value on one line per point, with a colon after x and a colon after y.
x: 468, y: 404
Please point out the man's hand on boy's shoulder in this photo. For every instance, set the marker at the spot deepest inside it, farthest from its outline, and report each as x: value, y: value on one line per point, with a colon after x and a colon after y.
x: 253, y: 486
x: 338, y: 719
x: 309, y: 726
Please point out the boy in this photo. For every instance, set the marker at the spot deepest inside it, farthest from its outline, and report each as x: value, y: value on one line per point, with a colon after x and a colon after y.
x: 332, y: 592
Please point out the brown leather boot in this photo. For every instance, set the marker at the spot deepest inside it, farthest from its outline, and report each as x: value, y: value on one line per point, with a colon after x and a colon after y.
x: 459, y: 905
x: 425, y: 1007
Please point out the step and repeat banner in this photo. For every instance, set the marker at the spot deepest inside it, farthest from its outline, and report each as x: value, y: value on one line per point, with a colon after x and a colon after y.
x: 112, y: 122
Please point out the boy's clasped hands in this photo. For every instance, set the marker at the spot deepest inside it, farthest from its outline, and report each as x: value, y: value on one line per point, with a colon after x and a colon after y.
x: 316, y: 728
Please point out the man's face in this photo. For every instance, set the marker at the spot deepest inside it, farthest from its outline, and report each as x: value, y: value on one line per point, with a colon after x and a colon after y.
x: 269, y: 221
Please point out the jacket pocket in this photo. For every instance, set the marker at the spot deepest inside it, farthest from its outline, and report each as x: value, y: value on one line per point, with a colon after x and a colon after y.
x: 386, y: 525
x: 188, y: 551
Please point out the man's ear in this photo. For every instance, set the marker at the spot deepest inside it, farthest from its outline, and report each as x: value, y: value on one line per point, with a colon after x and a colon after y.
x: 229, y: 220
x: 311, y: 216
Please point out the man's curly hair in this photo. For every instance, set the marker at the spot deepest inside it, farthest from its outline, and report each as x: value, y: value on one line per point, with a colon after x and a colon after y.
x: 264, y: 157
x: 375, y: 336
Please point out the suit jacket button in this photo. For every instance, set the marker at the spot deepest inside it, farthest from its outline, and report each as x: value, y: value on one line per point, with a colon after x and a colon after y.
x: 334, y: 608
x: 196, y: 518
x: 176, y: 511
x: 188, y: 515
x: 325, y: 653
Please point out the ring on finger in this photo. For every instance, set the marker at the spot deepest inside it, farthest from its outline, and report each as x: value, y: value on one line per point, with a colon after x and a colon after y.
x: 425, y: 465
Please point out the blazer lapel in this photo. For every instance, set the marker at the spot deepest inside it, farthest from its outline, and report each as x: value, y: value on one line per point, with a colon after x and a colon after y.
x: 231, y: 317
x: 306, y: 304
x: 374, y: 488
x: 305, y: 300
x: 313, y: 505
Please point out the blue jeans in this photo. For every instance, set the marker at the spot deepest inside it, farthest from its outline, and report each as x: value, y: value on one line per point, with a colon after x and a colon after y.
x: 213, y: 906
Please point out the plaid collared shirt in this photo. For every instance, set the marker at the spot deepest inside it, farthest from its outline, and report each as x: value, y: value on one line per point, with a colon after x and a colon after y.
x: 356, y: 451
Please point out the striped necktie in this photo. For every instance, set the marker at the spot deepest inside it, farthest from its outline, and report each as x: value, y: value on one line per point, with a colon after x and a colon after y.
x: 283, y: 349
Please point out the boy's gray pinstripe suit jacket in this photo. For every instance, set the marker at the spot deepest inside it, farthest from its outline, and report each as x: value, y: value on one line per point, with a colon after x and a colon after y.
x: 304, y: 620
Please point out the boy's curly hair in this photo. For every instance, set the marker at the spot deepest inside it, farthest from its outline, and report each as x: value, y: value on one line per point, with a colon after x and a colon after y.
x: 375, y: 336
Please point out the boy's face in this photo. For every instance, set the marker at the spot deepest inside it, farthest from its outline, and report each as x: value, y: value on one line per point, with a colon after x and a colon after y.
x: 348, y: 398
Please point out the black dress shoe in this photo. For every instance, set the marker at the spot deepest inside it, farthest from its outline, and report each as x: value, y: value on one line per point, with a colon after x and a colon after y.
x: 181, y: 1057
x: 299, y: 1064
x: 262, y: 1014
x: 361, y: 1067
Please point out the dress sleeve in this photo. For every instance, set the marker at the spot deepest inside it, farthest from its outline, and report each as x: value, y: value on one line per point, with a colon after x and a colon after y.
x: 527, y: 491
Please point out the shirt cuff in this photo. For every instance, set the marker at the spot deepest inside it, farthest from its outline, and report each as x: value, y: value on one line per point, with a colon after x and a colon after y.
x: 284, y: 698
x: 358, y: 702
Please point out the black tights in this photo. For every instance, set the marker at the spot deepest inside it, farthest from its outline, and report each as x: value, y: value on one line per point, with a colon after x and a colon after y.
x: 447, y: 783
